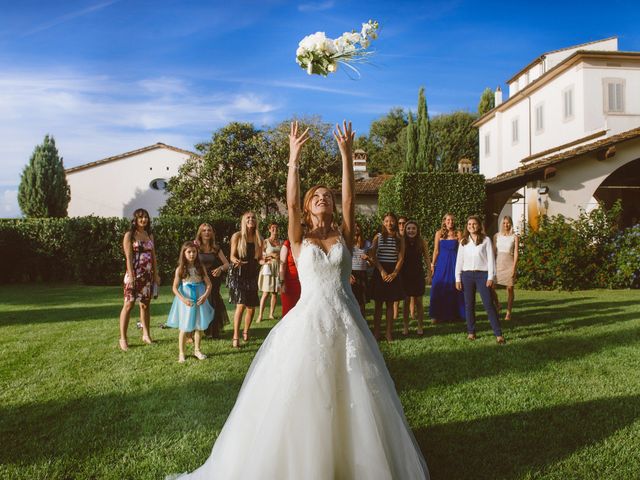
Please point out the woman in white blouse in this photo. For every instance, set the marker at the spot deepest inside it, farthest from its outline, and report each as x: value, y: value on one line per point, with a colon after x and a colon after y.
x: 475, y: 270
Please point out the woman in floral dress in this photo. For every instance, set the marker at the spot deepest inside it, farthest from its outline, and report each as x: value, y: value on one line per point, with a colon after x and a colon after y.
x: 142, y: 273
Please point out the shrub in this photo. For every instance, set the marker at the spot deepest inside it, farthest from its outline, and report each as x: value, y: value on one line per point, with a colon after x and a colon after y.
x: 625, y: 259
x: 427, y: 197
x: 567, y: 254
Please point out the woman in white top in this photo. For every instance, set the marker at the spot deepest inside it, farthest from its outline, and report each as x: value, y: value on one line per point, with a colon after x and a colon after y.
x: 505, y: 244
x: 475, y: 270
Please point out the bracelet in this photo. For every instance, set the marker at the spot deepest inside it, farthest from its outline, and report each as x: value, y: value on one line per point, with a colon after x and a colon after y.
x: 294, y: 166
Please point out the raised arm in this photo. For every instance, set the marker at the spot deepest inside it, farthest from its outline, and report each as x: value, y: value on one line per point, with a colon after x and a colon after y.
x: 296, y: 141
x: 344, y: 136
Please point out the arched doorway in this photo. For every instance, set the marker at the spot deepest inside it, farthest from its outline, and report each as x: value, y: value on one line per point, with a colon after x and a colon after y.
x: 623, y: 184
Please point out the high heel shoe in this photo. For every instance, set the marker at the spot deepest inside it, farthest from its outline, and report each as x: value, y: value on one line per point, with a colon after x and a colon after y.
x: 235, y: 343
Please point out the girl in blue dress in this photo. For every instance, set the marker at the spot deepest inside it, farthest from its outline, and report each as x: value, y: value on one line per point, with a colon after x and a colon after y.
x: 446, y: 303
x: 191, y: 310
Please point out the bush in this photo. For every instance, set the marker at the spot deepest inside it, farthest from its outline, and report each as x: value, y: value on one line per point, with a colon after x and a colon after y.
x: 89, y: 249
x: 567, y: 254
x: 427, y: 197
x: 625, y: 259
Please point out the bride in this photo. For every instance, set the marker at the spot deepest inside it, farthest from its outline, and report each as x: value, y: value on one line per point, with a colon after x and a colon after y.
x: 318, y: 402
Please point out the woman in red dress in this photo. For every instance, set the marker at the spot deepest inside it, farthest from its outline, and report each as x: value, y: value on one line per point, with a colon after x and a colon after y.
x: 289, y: 283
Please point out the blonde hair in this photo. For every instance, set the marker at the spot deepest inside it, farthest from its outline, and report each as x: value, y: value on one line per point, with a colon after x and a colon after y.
x: 242, y: 241
x: 444, y: 231
x: 507, y: 217
x: 306, y: 210
x: 213, y: 245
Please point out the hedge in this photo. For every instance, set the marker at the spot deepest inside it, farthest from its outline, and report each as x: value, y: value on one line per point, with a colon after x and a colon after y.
x: 427, y: 197
x: 89, y: 249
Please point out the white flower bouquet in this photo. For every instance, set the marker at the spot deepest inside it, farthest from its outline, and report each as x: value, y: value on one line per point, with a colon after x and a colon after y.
x: 320, y: 55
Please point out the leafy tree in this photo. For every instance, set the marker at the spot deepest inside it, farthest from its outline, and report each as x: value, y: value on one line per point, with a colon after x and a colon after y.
x: 487, y: 101
x: 454, y: 138
x: 386, y: 143
x: 412, y: 145
x: 43, y: 190
x: 243, y: 168
x: 220, y: 182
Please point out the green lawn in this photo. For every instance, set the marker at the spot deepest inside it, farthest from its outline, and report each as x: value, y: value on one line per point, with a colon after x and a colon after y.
x: 560, y: 401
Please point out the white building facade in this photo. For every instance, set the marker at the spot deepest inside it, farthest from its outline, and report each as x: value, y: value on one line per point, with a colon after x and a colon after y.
x: 532, y: 145
x: 118, y: 185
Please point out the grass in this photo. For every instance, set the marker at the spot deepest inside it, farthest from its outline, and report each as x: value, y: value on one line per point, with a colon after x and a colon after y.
x: 560, y: 401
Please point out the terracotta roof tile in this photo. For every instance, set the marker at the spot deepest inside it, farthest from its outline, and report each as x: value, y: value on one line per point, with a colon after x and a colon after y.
x: 544, y: 162
x: 370, y: 186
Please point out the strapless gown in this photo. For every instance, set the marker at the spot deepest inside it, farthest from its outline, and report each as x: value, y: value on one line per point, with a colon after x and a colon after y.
x: 318, y: 402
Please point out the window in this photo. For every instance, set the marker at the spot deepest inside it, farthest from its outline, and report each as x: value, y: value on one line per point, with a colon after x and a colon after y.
x: 158, y: 184
x: 613, y: 95
x: 514, y: 130
x: 487, y: 145
x: 539, y: 118
x: 567, y: 98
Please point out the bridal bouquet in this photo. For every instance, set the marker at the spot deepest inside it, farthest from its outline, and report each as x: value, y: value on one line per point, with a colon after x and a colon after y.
x: 320, y: 55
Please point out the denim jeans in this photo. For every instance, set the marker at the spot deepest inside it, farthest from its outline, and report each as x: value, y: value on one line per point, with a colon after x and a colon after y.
x: 473, y: 281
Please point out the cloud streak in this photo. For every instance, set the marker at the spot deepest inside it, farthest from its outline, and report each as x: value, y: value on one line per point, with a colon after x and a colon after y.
x: 68, y: 17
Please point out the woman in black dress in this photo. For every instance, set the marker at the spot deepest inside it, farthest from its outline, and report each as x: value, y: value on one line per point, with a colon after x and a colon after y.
x: 413, y: 275
x: 246, y: 251
x: 215, y: 263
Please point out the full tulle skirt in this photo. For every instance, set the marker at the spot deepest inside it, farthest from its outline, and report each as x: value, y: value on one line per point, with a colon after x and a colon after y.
x: 317, y: 403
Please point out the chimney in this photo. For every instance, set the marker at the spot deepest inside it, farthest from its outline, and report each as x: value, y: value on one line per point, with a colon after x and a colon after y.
x: 498, y: 96
x: 360, y: 164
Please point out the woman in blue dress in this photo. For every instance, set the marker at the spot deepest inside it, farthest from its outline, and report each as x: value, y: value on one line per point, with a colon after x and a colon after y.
x: 446, y: 303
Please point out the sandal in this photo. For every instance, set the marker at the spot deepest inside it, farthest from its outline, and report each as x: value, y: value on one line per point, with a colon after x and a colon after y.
x: 507, y: 316
x: 181, y: 358
x: 500, y: 340
x: 147, y: 340
x: 199, y: 355
x: 235, y: 343
x: 124, y: 346
x: 245, y: 336
x: 420, y: 332
x: 471, y: 336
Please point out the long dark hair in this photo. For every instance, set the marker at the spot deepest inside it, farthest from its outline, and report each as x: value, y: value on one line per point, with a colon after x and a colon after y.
x: 182, y: 263
x: 139, y: 212
x: 466, y: 235
x: 415, y: 240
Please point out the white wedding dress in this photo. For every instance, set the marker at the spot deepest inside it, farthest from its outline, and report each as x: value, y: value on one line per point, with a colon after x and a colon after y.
x: 318, y: 402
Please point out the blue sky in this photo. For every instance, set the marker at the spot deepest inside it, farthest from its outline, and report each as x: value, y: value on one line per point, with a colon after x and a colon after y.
x: 108, y: 76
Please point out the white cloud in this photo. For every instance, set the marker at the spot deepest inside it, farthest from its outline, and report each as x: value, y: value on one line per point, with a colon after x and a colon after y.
x: 95, y: 116
x: 316, y: 6
x: 9, y: 203
x: 68, y: 17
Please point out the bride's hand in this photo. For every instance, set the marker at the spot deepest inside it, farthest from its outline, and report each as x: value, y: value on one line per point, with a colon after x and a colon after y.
x: 344, y: 136
x: 295, y: 143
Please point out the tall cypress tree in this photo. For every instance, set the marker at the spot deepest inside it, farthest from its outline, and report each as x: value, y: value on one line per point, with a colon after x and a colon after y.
x: 43, y: 190
x: 412, y: 145
x: 426, y: 154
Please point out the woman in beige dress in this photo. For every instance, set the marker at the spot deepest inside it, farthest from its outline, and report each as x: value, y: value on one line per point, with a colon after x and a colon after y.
x: 268, y: 281
x: 505, y: 244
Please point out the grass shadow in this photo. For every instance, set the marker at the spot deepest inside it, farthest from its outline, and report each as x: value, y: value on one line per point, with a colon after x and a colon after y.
x: 510, y: 446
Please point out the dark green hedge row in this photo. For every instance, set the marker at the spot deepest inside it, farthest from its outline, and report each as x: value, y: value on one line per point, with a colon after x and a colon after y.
x: 89, y: 249
x: 427, y: 197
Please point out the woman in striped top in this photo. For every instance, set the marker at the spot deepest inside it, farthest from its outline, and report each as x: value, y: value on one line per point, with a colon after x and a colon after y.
x: 387, y: 254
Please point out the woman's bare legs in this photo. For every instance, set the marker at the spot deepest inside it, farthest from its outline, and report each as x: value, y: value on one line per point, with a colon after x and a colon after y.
x: 248, y: 317
x: 377, y: 318
x: 263, y: 302
x: 390, y: 320
x: 272, y: 306
x: 125, y: 314
x: 145, y: 320
x: 237, y: 316
x: 181, y: 342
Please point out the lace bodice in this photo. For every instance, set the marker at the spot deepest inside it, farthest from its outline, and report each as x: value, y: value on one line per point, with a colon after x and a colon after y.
x: 324, y: 274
